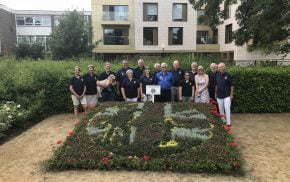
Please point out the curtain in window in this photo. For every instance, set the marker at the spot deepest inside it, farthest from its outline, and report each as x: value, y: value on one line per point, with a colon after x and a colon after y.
x: 177, y: 12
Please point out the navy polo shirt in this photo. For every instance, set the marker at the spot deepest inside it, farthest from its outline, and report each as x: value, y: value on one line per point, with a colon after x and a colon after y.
x: 104, y: 76
x: 224, y: 82
x: 78, y: 84
x: 138, y: 72
x: 164, y: 80
x: 186, y: 88
x: 212, y: 79
x: 121, y: 74
x: 192, y: 76
x: 90, y: 81
x: 178, y: 75
x: 146, y: 81
x: 131, y: 88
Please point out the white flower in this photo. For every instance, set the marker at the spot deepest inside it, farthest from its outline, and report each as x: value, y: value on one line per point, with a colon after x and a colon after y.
x: 20, y: 114
x: 7, y: 108
x: 10, y: 117
x: 18, y: 106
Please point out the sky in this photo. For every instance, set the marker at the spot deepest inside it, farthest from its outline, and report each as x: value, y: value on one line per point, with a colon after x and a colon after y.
x: 60, y: 5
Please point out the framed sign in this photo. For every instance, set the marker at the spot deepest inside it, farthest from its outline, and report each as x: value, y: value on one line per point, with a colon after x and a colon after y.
x: 153, y: 90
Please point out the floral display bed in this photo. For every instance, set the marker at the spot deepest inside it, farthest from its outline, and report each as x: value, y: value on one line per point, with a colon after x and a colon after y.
x: 180, y: 137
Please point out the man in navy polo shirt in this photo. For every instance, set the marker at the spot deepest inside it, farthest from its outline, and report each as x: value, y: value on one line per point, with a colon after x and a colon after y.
x: 164, y: 79
x: 108, y: 94
x: 77, y: 87
x: 177, y: 75
x: 224, y: 92
x: 139, y: 71
x: 121, y: 75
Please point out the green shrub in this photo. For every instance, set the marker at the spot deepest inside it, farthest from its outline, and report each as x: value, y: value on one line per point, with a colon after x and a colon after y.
x: 10, y: 114
x: 32, y: 51
x: 261, y: 89
x: 41, y: 87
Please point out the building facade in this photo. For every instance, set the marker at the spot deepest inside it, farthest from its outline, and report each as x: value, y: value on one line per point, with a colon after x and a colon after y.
x: 35, y: 26
x: 7, y: 30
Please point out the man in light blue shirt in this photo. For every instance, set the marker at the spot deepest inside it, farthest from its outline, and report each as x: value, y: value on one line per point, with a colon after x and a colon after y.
x: 164, y: 79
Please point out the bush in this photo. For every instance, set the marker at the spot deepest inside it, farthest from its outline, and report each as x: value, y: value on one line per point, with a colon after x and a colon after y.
x: 179, y: 137
x: 42, y: 87
x: 25, y: 50
x: 10, y: 114
x: 261, y: 89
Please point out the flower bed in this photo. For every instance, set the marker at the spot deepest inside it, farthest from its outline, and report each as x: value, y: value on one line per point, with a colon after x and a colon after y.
x: 179, y: 137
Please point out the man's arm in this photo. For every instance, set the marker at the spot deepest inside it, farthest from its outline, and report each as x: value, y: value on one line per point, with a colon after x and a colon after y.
x: 123, y: 93
x: 84, y: 92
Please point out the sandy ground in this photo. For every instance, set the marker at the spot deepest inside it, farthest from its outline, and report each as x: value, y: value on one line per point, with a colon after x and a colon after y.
x: 263, y: 140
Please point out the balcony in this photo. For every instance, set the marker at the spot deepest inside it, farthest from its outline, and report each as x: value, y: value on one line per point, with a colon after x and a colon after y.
x: 207, y: 44
x: 206, y: 40
x: 116, y: 40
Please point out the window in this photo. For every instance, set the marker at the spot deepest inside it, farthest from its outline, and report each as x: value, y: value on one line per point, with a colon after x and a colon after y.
x: 33, y: 20
x: 28, y: 20
x: 115, y: 13
x: 116, y: 35
x: 150, y: 36
x: 150, y: 12
x: 56, y: 20
x: 32, y: 39
x: 227, y: 11
x: 175, y: 36
x: 201, y: 20
x: 229, y: 32
x: 179, y: 12
x: 20, y: 21
x: 202, y: 37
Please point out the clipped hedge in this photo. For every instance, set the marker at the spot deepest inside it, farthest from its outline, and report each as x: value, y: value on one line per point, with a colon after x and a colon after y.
x: 41, y: 87
x: 261, y: 89
x: 180, y: 137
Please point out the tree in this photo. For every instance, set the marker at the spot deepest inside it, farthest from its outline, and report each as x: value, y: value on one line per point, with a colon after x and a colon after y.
x: 25, y: 50
x: 72, y: 38
x: 263, y: 25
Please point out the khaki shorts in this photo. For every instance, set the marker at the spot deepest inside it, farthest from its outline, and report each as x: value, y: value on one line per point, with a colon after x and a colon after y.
x: 77, y: 101
x: 92, y: 99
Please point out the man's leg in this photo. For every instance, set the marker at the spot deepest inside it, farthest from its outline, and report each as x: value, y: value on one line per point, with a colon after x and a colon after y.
x: 221, y: 105
x: 172, y: 94
x: 76, y: 107
x: 227, y: 105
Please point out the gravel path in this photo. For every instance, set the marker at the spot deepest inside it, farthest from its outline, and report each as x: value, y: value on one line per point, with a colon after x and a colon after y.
x: 263, y: 140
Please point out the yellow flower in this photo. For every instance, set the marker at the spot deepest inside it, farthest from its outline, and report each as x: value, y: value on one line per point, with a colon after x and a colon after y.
x: 170, y: 143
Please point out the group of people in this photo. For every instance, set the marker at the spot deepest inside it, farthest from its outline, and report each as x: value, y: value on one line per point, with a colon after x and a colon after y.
x: 129, y: 85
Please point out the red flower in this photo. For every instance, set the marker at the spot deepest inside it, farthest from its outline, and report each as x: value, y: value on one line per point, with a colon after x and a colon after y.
x: 146, y: 157
x: 229, y: 132
x: 221, y: 116
x: 105, y: 160
x: 238, y: 159
x: 235, y: 164
x: 58, y: 142
x: 70, y: 133
x: 233, y: 144
x: 227, y: 128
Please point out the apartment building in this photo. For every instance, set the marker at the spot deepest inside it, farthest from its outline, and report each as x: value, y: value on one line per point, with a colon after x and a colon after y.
x: 229, y: 51
x: 7, y: 30
x: 35, y: 26
x: 138, y: 26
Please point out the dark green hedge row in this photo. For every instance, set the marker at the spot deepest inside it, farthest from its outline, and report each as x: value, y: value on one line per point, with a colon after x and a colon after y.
x: 41, y: 87
x: 261, y: 89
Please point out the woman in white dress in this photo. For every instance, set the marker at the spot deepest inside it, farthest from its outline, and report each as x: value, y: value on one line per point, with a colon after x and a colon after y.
x: 201, y: 84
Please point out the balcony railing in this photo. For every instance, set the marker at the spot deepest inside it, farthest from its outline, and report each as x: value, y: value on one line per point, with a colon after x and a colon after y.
x: 109, y: 16
x: 206, y: 40
x: 116, y: 40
